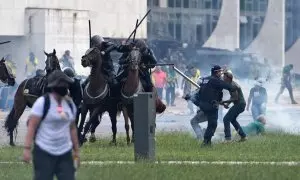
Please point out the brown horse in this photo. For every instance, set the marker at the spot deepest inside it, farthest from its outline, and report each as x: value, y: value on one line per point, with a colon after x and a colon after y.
x: 28, y: 92
x: 5, y: 74
x: 98, y: 97
x: 132, y: 86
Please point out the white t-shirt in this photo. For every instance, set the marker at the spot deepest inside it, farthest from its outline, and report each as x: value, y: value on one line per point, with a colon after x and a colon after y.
x: 53, y: 134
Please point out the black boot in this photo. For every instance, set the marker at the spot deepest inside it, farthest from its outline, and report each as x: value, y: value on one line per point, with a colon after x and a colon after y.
x: 206, y: 143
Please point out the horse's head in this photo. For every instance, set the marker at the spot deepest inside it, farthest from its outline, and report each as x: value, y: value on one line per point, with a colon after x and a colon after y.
x: 134, y: 59
x: 92, y: 57
x: 6, y: 75
x: 52, y: 62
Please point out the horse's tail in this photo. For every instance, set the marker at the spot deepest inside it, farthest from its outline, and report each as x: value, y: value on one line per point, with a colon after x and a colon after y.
x: 11, y: 123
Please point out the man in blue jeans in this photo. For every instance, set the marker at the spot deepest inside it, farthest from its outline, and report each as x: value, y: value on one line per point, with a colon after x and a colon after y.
x: 237, y: 98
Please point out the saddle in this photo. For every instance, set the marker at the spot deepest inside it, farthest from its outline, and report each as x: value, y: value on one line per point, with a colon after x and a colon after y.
x: 35, y: 86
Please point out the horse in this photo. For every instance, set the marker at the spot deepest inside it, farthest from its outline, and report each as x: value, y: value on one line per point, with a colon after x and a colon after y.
x: 28, y: 92
x: 98, y: 96
x: 5, y: 74
x: 132, y: 86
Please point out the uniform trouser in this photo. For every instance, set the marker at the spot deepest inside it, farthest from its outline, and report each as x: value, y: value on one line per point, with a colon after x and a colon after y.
x: 287, y: 85
x: 254, y: 128
x: 230, y: 117
x: 46, y: 166
x: 212, y: 123
x: 198, y: 118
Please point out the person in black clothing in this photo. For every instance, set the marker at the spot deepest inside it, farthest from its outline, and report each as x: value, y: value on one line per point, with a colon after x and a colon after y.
x: 148, y: 60
x: 108, y: 67
x: 208, y: 98
x: 237, y: 98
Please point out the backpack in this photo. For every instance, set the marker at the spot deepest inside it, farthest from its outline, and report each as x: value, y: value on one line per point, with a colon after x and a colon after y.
x: 47, y: 107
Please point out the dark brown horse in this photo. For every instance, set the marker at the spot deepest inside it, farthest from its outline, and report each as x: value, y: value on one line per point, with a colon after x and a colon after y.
x: 98, y: 97
x: 28, y: 92
x: 5, y: 74
x: 132, y: 86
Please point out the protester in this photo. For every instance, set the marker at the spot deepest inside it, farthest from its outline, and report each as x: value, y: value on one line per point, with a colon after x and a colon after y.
x: 187, y: 88
x: 53, y: 133
x: 31, y: 65
x: 171, y: 84
x: 258, y: 96
x: 67, y: 61
x: 286, y: 83
x: 237, y: 98
x: 160, y: 80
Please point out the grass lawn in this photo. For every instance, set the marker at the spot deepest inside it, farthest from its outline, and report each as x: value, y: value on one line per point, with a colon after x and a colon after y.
x: 176, y: 147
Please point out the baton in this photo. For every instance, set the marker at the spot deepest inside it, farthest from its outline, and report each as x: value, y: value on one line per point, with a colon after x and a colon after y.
x: 5, y: 42
x: 138, y: 25
x: 187, y: 78
x: 90, y: 33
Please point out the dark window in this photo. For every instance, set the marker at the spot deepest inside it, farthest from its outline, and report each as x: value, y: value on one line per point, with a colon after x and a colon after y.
x: 186, y: 3
x: 178, y: 3
x: 242, y: 5
x: 171, y: 3
x: 215, y: 4
x: 199, y: 32
x: 208, y: 4
x: 156, y: 3
x: 171, y: 29
x: 178, y: 32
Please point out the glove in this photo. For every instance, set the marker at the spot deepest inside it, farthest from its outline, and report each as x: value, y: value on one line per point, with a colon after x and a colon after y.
x: 187, y: 97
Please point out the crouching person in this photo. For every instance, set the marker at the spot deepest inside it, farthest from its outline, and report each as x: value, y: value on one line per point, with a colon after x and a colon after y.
x: 256, y: 127
x: 52, y: 132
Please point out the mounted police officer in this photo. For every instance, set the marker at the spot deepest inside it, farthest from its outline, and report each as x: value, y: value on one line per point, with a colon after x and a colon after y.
x: 105, y: 46
x: 207, y: 99
x: 148, y: 60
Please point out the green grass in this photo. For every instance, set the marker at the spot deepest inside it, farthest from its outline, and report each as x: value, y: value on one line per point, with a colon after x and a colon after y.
x: 178, y: 146
x: 165, y: 172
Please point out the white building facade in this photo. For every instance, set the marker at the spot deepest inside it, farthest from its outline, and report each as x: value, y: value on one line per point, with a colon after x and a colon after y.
x: 38, y: 25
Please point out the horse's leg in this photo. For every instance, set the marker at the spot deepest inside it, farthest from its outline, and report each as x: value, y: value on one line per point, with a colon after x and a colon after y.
x: 125, y: 115
x: 84, y: 111
x: 113, y: 118
x: 94, y: 125
x: 12, y: 119
x: 131, y: 117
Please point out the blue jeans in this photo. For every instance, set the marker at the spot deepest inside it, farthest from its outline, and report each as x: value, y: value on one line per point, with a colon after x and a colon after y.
x: 230, y: 117
x: 257, y: 110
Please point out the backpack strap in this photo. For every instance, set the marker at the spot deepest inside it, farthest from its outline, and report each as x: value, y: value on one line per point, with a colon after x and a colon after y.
x: 45, y: 111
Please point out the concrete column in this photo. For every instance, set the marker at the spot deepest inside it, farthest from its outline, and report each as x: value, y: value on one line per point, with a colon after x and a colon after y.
x: 227, y: 32
x: 163, y: 3
x: 270, y: 41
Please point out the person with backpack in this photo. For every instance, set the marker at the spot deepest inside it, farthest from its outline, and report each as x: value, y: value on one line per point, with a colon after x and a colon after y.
x: 52, y: 132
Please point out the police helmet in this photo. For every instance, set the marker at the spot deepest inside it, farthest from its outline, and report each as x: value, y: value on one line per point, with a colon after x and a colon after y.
x: 69, y: 72
x: 96, y: 40
x: 215, y: 69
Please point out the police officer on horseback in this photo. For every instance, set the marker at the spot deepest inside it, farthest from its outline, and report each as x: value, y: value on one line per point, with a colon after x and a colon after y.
x: 148, y: 61
x: 105, y: 47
